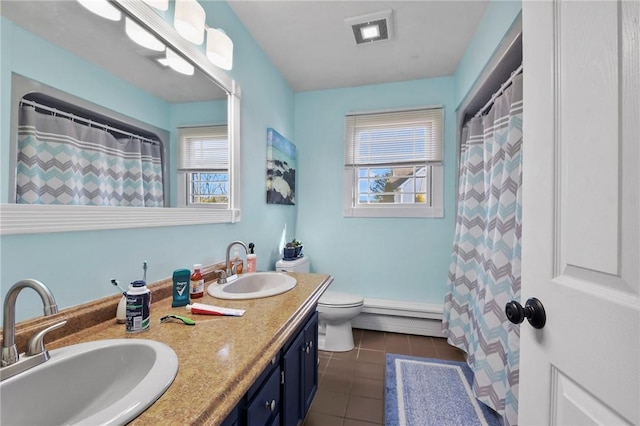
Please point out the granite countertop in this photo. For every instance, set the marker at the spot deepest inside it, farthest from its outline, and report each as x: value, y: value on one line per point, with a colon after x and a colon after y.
x: 220, y: 357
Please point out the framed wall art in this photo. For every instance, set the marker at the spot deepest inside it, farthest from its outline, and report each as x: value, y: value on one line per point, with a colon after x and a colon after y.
x: 281, y: 169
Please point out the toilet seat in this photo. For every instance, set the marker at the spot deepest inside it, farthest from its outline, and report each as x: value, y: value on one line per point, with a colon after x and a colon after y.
x: 332, y: 299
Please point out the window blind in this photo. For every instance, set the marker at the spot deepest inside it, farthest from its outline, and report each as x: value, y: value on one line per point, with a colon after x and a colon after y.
x: 401, y: 137
x: 203, y: 148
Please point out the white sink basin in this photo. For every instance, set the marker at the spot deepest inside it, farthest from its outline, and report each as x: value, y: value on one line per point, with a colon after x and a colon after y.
x: 103, y: 382
x: 253, y: 286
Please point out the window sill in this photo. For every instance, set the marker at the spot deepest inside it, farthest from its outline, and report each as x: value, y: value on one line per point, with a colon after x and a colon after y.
x: 37, y: 219
x: 393, y: 212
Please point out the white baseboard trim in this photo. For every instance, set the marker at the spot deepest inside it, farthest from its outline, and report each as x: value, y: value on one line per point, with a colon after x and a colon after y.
x: 422, y: 319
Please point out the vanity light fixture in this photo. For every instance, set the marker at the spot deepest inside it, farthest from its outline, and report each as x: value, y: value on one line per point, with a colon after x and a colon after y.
x: 141, y: 36
x: 372, y: 27
x: 219, y: 48
x: 189, y: 20
x: 158, y: 4
x: 102, y: 8
x: 177, y: 63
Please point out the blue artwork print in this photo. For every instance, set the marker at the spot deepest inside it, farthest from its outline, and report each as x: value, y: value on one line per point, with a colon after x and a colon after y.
x: 281, y: 169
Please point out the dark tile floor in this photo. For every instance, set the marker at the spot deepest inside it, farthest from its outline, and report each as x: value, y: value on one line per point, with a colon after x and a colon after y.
x: 351, y: 388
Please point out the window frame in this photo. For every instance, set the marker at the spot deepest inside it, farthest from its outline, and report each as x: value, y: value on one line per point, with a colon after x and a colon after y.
x: 386, y: 210
x: 183, y: 181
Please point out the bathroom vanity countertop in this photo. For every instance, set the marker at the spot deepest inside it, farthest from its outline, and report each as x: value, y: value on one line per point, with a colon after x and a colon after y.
x: 220, y: 357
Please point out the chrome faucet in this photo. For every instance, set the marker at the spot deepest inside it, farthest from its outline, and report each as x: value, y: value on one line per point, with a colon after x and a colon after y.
x: 230, y: 271
x: 36, y: 353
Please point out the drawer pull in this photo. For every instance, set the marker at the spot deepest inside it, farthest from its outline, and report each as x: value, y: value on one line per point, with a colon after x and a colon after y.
x: 270, y: 405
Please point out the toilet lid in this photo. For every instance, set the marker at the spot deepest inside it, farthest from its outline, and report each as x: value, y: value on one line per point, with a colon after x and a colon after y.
x: 332, y: 298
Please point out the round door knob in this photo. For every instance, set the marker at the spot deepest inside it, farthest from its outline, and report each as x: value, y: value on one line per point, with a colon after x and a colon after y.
x: 533, y: 311
x: 270, y: 405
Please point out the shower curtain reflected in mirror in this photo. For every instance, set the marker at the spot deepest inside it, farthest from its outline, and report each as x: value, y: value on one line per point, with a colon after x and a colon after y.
x: 484, y: 273
x: 64, y: 162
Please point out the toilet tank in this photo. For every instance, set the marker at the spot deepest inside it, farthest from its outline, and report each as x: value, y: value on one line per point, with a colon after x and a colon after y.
x: 296, y: 265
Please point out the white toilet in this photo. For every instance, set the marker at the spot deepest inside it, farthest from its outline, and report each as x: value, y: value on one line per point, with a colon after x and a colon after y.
x: 336, y: 311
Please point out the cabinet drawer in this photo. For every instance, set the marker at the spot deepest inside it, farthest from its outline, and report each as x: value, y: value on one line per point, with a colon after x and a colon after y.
x: 255, y: 387
x: 266, y: 403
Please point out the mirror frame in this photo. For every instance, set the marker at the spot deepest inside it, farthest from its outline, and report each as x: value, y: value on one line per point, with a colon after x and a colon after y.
x: 40, y: 218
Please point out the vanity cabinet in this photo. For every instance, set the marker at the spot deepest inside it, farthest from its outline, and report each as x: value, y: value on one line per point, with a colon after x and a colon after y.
x: 282, y: 394
x: 300, y: 366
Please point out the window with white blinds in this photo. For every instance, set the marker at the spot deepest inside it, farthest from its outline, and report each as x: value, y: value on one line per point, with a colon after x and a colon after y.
x: 393, y: 163
x: 204, y: 166
x: 203, y: 148
x: 394, y: 137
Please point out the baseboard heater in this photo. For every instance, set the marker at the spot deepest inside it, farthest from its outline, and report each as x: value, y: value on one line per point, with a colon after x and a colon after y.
x: 397, y: 316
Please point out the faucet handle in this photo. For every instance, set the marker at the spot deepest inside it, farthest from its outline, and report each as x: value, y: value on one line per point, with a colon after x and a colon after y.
x: 222, y: 276
x: 35, y: 345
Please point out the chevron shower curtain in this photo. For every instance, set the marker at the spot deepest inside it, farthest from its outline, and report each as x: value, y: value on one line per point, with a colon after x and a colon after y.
x: 485, y: 267
x: 64, y: 162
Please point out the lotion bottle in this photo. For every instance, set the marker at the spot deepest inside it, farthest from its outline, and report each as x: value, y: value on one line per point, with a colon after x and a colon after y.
x: 251, y: 259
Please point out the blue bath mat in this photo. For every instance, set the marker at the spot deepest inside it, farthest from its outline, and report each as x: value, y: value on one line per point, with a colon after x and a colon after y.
x: 424, y: 391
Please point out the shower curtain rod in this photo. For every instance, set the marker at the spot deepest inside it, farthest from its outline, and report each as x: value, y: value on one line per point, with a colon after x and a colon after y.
x: 91, y: 123
x: 499, y: 92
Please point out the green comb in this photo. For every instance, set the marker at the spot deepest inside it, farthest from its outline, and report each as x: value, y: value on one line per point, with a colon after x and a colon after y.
x: 187, y: 321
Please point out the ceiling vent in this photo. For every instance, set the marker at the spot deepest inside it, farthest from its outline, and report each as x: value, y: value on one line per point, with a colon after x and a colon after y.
x: 371, y: 27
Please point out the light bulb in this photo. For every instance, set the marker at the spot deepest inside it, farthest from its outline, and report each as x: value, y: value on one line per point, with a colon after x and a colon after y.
x: 219, y: 48
x: 102, y: 8
x: 177, y: 63
x: 371, y: 31
x: 189, y: 20
x: 141, y: 36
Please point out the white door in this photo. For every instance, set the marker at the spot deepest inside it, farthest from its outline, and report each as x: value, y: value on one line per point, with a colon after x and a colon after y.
x: 581, y: 212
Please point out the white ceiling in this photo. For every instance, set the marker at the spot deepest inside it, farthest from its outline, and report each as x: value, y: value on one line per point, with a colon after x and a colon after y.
x: 309, y: 42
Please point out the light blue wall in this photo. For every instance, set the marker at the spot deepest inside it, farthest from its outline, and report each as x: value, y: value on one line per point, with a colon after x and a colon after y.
x: 78, y: 266
x: 401, y: 259
x: 398, y: 259
x: 497, y: 20
x: 267, y: 101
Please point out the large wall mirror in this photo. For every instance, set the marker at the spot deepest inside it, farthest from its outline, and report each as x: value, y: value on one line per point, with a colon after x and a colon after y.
x: 105, y: 46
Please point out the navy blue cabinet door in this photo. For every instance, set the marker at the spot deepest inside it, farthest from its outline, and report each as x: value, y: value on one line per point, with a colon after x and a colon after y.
x: 310, y: 363
x: 292, y: 387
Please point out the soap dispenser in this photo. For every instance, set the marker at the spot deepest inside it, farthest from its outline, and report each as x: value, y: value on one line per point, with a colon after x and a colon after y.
x: 236, y: 264
x: 251, y: 259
